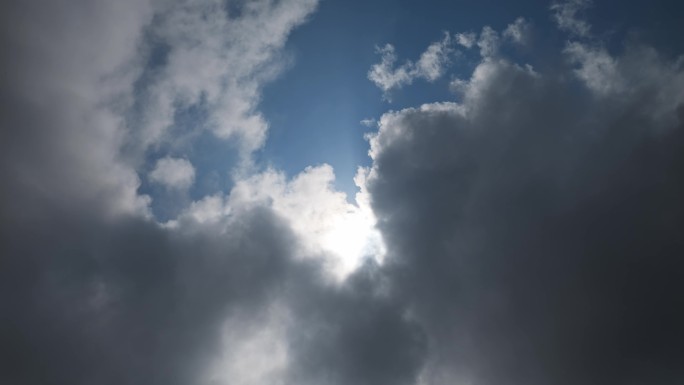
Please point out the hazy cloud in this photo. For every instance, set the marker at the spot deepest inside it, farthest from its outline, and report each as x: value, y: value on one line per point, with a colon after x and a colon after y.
x: 518, y: 31
x: 566, y: 15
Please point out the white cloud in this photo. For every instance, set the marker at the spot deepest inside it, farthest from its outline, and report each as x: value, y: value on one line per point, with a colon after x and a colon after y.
x: 328, y: 226
x: 173, y: 173
x: 369, y: 122
x: 106, y: 111
x: 518, y: 31
x: 384, y: 75
x: 458, y: 86
x: 219, y: 62
x: 466, y: 39
x: 321, y: 216
x: 565, y: 13
x: 488, y: 42
x: 434, y: 60
x: 430, y: 66
x: 597, y: 69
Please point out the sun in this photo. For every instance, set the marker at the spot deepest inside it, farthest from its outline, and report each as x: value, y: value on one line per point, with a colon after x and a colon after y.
x: 351, y: 238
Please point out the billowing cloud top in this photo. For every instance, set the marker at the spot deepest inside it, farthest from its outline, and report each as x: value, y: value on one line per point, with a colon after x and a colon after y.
x: 526, y: 232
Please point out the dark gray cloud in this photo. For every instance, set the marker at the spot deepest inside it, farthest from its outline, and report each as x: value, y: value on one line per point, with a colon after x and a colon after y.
x: 534, y: 229
x: 358, y: 333
x: 128, y: 302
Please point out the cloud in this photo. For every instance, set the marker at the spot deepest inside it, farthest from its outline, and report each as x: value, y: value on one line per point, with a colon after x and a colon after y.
x: 565, y: 13
x: 467, y: 39
x: 328, y: 227
x: 532, y: 229
x: 370, y: 122
x: 88, y: 301
x: 518, y: 31
x: 173, y: 173
x: 527, y: 234
x: 238, y: 50
x: 171, y: 71
x: 430, y: 66
x: 60, y: 143
x: 356, y: 333
x: 436, y: 59
x: 488, y: 42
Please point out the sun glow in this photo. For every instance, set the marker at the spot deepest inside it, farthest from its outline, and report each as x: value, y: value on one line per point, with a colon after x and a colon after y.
x: 342, y: 233
x: 352, y: 238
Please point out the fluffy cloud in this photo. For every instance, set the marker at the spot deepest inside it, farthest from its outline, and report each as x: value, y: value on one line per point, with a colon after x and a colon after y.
x: 237, y: 48
x: 60, y: 142
x: 430, y: 66
x: 173, y: 173
x: 107, y: 112
x: 518, y: 31
x: 466, y: 39
x: 328, y: 227
x: 533, y: 228
x: 436, y: 59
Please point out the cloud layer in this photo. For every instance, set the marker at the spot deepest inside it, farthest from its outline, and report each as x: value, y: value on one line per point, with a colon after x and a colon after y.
x: 528, y: 233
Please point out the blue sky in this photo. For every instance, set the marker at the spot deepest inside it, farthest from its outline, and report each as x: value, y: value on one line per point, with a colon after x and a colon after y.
x: 316, y: 105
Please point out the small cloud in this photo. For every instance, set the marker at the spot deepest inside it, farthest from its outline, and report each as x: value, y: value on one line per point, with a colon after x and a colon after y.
x: 518, y: 31
x: 173, y: 173
x: 434, y: 60
x: 458, y: 86
x: 565, y: 13
x: 430, y: 66
x: 466, y: 39
x: 370, y: 122
x: 488, y: 42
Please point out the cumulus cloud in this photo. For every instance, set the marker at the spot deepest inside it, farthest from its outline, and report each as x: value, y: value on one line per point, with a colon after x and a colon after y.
x: 237, y: 49
x: 532, y: 228
x: 527, y: 234
x: 173, y: 173
x: 435, y: 61
x: 430, y: 66
x: 108, y: 113
x: 328, y: 227
x: 60, y: 143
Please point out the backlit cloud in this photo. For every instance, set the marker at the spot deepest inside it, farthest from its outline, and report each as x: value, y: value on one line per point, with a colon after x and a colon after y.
x: 525, y: 231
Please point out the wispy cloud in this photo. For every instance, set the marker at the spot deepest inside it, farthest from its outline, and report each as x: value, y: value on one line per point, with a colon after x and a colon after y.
x: 430, y: 66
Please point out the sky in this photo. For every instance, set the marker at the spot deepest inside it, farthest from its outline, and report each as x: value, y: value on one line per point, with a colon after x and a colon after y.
x: 328, y: 192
